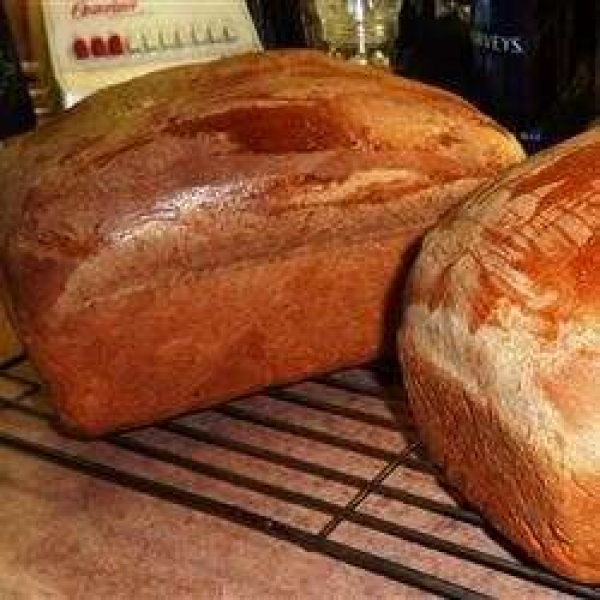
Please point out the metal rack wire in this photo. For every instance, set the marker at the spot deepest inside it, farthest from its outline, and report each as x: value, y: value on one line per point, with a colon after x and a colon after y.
x: 371, y: 475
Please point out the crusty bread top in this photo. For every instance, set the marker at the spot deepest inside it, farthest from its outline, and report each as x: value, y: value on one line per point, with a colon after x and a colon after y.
x: 534, y: 236
x: 252, y: 156
x: 505, y: 299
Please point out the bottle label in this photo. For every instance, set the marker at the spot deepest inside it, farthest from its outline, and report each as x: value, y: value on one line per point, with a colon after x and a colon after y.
x: 531, y: 67
x: 501, y: 44
x: 96, y: 43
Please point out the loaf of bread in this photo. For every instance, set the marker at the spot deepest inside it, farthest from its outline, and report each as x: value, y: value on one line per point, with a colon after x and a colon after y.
x: 500, y: 345
x: 203, y: 232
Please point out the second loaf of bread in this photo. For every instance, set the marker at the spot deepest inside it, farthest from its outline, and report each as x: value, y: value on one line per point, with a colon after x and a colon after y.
x: 500, y: 343
x: 203, y: 232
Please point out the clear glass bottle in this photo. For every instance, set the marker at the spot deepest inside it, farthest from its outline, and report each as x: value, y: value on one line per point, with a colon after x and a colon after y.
x: 362, y: 31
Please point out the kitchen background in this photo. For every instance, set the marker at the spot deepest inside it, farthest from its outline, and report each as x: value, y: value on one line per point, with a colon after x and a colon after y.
x: 531, y: 65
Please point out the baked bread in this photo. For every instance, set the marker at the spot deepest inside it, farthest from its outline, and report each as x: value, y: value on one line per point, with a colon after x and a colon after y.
x: 500, y: 346
x: 203, y: 232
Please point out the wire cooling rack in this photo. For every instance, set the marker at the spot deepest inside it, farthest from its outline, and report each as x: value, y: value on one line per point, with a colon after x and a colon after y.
x: 327, y: 465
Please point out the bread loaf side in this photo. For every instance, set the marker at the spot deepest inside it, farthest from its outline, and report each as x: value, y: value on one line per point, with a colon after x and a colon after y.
x: 203, y: 232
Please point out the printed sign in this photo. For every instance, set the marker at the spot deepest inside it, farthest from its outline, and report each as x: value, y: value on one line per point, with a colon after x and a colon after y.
x: 96, y: 43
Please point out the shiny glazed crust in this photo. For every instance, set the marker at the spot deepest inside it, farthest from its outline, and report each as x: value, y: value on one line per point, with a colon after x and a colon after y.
x: 203, y: 232
x: 500, y: 346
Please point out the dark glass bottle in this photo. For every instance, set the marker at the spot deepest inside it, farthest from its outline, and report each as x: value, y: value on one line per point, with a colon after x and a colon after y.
x: 528, y: 63
x: 434, y: 44
x: 278, y: 23
x: 597, y: 58
x: 533, y: 66
x: 16, y: 109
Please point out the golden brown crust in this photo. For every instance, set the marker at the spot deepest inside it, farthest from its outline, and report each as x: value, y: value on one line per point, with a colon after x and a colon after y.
x: 540, y: 220
x: 138, y: 201
x: 552, y: 515
x: 500, y: 346
x: 219, y: 335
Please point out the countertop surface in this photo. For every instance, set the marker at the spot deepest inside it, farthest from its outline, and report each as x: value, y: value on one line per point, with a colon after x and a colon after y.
x: 67, y: 535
